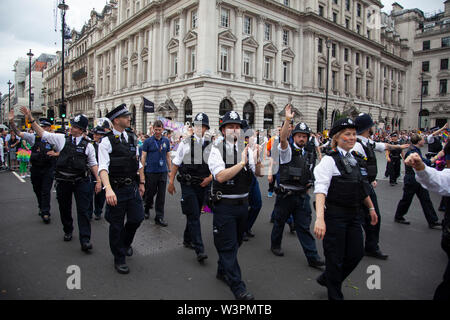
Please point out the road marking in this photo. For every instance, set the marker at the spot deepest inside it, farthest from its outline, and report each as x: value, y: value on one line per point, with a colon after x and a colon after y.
x: 18, y: 177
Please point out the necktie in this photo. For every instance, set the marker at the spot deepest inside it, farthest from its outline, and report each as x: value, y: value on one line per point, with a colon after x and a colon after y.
x: 122, y: 138
x: 350, y: 159
x: 75, y: 141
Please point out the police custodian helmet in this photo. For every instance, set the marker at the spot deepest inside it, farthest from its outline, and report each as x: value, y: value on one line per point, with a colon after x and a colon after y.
x: 231, y: 117
x: 80, y: 121
x: 202, y: 118
x: 301, y: 128
x: 363, y: 122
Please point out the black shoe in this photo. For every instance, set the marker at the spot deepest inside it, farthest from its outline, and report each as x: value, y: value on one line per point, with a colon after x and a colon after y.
x: 316, y: 263
x: 222, y: 277
x: 46, y: 219
x: 129, y: 252
x: 98, y: 217
x: 245, y: 237
x: 146, y: 215
x: 245, y: 296
x: 435, y: 225
x: 201, y: 257
x: 250, y: 234
x: 188, y: 245
x: 402, y: 221
x: 122, y: 268
x: 392, y: 184
x: 277, y: 251
x: 396, y: 182
x: 292, y: 227
x: 86, y: 246
x: 161, y: 222
x: 67, y: 236
x: 321, y: 280
x: 376, y: 254
x: 441, y: 209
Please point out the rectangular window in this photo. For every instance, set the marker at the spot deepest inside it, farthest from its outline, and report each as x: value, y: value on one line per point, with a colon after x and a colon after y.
x: 444, y: 64
x: 385, y: 72
x: 176, y: 29
x: 247, y: 63
x: 194, y: 19
x: 346, y: 55
x: 286, y: 2
x: 426, y: 45
x: 320, y: 46
x: 368, y: 34
x: 358, y: 28
x: 247, y: 25
x: 335, y: 1
x: 333, y: 80
x: 426, y: 66
x: 192, y: 60
x: 347, y: 23
x: 286, y: 72
x: 347, y: 5
x: 267, y: 68
x: 335, y: 17
x: 357, y: 59
x: 321, y: 11
x: 367, y: 62
x: 145, y: 71
x: 358, y: 10
x: 175, y: 64
x: 223, y: 59
x: 320, y: 77
x: 445, y: 42
x: 285, y: 37
x: 425, y: 88
x: 358, y: 85
x: 443, y: 86
x: 392, y: 74
x: 225, y: 18
x: 346, y: 81
x: 267, y: 32
x: 368, y: 88
x: 333, y: 50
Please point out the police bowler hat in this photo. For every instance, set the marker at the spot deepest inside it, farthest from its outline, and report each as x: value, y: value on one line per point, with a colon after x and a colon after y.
x: 341, y: 124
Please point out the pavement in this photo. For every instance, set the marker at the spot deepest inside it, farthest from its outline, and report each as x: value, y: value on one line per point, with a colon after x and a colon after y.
x: 34, y: 259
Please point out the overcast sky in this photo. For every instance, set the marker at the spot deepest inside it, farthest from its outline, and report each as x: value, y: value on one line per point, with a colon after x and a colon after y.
x: 30, y: 24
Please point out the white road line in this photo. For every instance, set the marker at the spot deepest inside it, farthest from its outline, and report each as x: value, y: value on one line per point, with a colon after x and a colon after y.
x: 18, y: 177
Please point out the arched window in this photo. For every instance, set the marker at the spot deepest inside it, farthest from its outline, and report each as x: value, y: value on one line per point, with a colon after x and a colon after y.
x: 320, y: 118
x: 188, y: 111
x: 133, y: 116
x: 99, y: 113
x: 224, y: 107
x: 335, y: 116
x: 269, y: 113
x: 249, y: 114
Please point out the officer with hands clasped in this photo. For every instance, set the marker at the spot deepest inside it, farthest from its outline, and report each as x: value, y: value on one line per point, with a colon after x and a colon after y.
x: 341, y: 189
x: 231, y: 166
x: 296, y: 178
x: 191, y: 162
x: 43, y: 160
x: 76, y: 157
x: 118, y: 168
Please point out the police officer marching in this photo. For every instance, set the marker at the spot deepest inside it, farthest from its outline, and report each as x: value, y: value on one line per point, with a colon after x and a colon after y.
x: 43, y: 160
x: 292, y: 195
x: 118, y: 168
x: 393, y: 158
x: 367, y: 148
x: 231, y: 169
x: 99, y: 198
x: 191, y: 161
x: 340, y: 191
x: 76, y: 157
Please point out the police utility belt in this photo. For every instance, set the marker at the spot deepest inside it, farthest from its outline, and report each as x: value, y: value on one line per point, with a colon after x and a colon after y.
x: 119, y: 182
x: 187, y: 179
x: 217, y: 197
x: 285, y: 192
x: 70, y: 177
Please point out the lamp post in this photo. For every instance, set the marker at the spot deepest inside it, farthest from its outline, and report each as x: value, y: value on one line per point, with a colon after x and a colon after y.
x: 63, y: 7
x: 421, y: 99
x: 328, y: 43
x: 30, y: 55
x: 9, y: 95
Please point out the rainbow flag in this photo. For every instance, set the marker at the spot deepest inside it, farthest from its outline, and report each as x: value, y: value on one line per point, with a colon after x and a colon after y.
x: 445, y: 134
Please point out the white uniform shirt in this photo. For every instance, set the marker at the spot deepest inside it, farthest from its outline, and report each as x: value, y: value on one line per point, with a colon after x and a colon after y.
x: 216, y: 163
x: 435, y: 181
x: 286, y: 157
x: 29, y: 137
x: 59, y: 140
x: 379, y: 146
x: 325, y: 171
x: 185, y: 148
x: 105, y: 148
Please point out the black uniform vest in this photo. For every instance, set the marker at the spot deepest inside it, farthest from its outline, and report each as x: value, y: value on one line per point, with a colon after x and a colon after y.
x: 371, y: 162
x: 192, y: 165
x: 95, y: 145
x: 436, y: 146
x: 311, y: 147
x: 240, y: 183
x: 348, y: 189
x: 39, y: 157
x: 124, y: 162
x: 72, y: 158
x: 297, y: 172
x: 395, y: 153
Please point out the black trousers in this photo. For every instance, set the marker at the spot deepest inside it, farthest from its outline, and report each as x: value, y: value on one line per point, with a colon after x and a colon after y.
x: 343, y: 247
x: 192, y: 198
x: 412, y: 187
x: 442, y: 292
x: 394, y: 169
x: 42, y: 181
x: 81, y: 191
x: 155, y: 184
x: 372, y: 232
x: 129, y: 205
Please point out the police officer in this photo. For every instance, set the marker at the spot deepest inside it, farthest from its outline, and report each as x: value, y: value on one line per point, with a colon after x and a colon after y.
x: 119, y: 164
x: 340, y: 191
x: 434, y: 141
x: 191, y: 161
x: 292, y: 194
x: 231, y: 169
x: 76, y: 157
x: 411, y: 187
x: 43, y: 160
x: 367, y: 148
x: 98, y: 199
x: 394, y: 160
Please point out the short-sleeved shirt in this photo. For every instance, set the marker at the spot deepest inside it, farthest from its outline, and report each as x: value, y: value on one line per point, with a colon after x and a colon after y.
x: 156, y: 154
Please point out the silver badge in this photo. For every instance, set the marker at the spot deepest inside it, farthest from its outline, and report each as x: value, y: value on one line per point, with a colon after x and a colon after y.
x: 234, y: 115
x: 350, y: 121
x: 302, y: 126
x: 200, y: 117
x: 77, y: 118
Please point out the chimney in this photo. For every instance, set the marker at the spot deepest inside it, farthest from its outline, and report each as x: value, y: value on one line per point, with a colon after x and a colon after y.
x: 447, y: 8
x: 397, y: 7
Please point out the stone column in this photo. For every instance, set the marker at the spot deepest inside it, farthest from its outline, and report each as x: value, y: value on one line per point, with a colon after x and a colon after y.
x: 165, y: 54
x: 140, y: 76
x: 111, y: 70
x: 150, y: 54
x: 182, y: 46
x: 207, y: 33
x: 118, y: 65
x: 260, y: 50
x: 156, y: 67
x: 238, y: 47
x: 300, y: 57
x: 364, y: 77
x: 315, y: 63
x: 130, y: 51
x: 342, y: 69
x: 296, y: 35
x: 307, y: 79
x: 278, y: 62
x: 353, y: 82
